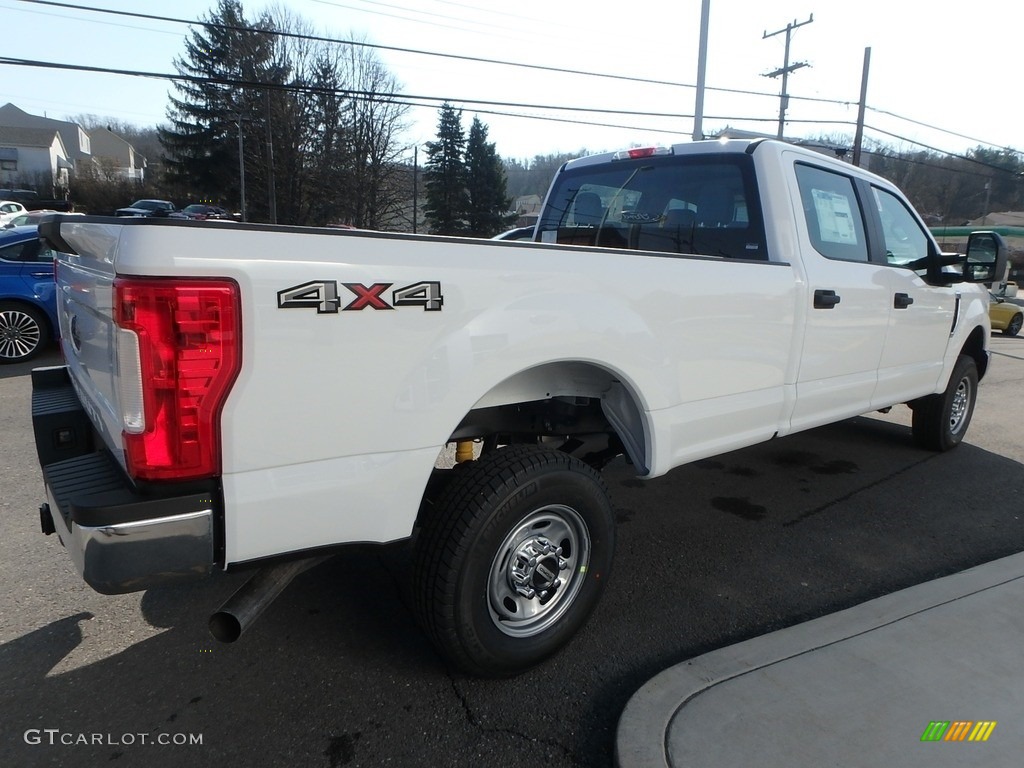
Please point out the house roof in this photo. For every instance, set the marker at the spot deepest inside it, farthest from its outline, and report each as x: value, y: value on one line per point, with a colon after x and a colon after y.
x: 15, y: 117
x: 28, y: 137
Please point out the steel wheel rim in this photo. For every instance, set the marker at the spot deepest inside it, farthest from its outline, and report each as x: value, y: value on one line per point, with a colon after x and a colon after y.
x: 546, y: 553
x: 20, y: 334
x: 961, y: 402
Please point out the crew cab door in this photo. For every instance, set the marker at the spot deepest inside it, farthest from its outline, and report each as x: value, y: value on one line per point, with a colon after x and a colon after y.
x: 846, y: 298
x: 920, y: 315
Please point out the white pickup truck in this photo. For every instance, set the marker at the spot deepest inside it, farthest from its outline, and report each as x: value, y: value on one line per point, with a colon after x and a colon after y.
x: 241, y: 395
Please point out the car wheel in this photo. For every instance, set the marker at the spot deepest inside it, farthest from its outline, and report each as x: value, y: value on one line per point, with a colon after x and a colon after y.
x: 22, y: 332
x: 513, y: 558
x: 940, y: 421
x: 1014, y: 326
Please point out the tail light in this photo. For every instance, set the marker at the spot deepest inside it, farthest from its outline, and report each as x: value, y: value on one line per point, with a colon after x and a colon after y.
x: 640, y: 152
x: 179, y: 352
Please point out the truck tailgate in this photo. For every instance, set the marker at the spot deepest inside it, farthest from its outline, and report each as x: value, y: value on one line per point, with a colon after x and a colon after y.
x: 85, y: 277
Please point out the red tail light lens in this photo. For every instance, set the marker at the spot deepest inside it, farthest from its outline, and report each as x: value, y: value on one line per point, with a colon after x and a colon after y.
x: 638, y: 153
x: 189, y: 354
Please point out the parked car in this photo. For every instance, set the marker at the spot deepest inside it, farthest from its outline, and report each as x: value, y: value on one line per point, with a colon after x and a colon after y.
x: 147, y: 208
x: 519, y: 233
x: 1005, y: 316
x: 201, y: 212
x: 28, y: 305
x: 33, y: 217
x: 9, y: 209
x: 19, y: 195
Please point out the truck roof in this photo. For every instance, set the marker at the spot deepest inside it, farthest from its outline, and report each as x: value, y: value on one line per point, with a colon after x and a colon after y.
x: 725, y: 146
x: 708, y: 146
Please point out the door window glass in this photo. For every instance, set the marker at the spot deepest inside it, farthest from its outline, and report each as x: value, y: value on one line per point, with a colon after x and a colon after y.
x: 905, y: 241
x: 834, y: 219
x: 24, y: 251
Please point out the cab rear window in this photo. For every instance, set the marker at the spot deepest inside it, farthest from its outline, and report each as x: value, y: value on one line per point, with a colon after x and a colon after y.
x: 703, y: 206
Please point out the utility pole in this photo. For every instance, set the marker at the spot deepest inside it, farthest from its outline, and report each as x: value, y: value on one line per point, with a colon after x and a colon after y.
x: 858, y: 138
x: 241, y: 163
x: 702, y: 68
x: 272, y: 187
x: 786, y: 68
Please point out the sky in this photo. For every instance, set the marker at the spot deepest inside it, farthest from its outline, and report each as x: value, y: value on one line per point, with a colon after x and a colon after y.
x: 945, y: 79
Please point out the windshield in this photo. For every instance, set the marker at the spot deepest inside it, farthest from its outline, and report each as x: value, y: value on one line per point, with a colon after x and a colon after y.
x: 706, y: 205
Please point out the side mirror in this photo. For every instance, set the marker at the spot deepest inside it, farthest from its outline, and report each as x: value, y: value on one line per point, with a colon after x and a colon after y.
x: 986, y: 258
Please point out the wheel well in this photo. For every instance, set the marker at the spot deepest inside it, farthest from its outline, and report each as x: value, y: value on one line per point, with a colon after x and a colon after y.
x: 574, y: 406
x: 975, y: 347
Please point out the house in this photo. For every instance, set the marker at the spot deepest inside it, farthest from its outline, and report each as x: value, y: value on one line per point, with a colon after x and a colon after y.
x: 72, y: 135
x: 100, y: 150
x: 34, y: 157
x: 116, y: 157
x: 527, y: 210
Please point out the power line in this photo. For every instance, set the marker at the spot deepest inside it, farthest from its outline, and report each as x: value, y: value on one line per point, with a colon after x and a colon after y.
x: 389, y: 97
x: 943, y: 130
x: 422, y: 101
x: 499, y: 62
x: 923, y: 163
x: 415, y: 51
x: 473, y: 59
x: 334, y: 4
x: 956, y: 155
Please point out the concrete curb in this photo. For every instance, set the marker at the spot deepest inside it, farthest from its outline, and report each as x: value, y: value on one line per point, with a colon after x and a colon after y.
x: 642, y: 734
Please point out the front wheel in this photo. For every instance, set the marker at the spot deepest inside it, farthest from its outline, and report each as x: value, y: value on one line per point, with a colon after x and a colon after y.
x: 513, y: 559
x: 940, y: 421
x: 1013, y: 328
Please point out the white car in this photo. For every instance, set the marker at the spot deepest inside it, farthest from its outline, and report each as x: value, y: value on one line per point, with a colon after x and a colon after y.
x: 9, y: 209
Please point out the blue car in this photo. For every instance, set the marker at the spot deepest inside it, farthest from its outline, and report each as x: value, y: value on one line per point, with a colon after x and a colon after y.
x: 28, y: 304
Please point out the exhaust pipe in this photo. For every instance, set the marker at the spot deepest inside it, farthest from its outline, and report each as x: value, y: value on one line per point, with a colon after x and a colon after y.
x: 243, y: 608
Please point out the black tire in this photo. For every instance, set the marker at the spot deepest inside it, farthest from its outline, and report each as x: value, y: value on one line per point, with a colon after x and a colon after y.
x: 940, y: 421
x: 519, y: 520
x: 1013, y: 328
x: 23, y: 332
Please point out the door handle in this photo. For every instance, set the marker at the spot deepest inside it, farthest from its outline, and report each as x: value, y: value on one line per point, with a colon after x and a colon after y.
x: 825, y: 299
x: 902, y: 301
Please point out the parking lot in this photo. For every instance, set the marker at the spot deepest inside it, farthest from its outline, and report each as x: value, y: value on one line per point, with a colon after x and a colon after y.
x: 336, y: 672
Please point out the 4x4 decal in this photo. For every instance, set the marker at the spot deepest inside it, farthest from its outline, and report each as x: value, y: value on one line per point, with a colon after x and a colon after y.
x: 324, y: 296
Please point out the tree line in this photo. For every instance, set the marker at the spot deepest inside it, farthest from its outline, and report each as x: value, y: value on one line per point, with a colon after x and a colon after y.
x: 294, y: 130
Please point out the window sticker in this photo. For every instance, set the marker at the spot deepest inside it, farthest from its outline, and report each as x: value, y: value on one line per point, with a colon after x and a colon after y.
x: 835, y: 218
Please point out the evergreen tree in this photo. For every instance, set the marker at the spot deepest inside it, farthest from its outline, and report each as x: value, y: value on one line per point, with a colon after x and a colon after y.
x: 201, y: 143
x: 447, y: 205
x: 487, y: 186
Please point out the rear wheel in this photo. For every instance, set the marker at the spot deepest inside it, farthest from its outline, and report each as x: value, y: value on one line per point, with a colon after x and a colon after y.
x: 940, y: 421
x: 513, y: 558
x: 22, y: 332
x: 1014, y: 326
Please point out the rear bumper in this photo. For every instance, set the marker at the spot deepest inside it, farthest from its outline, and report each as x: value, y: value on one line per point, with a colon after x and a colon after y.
x: 121, y: 538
